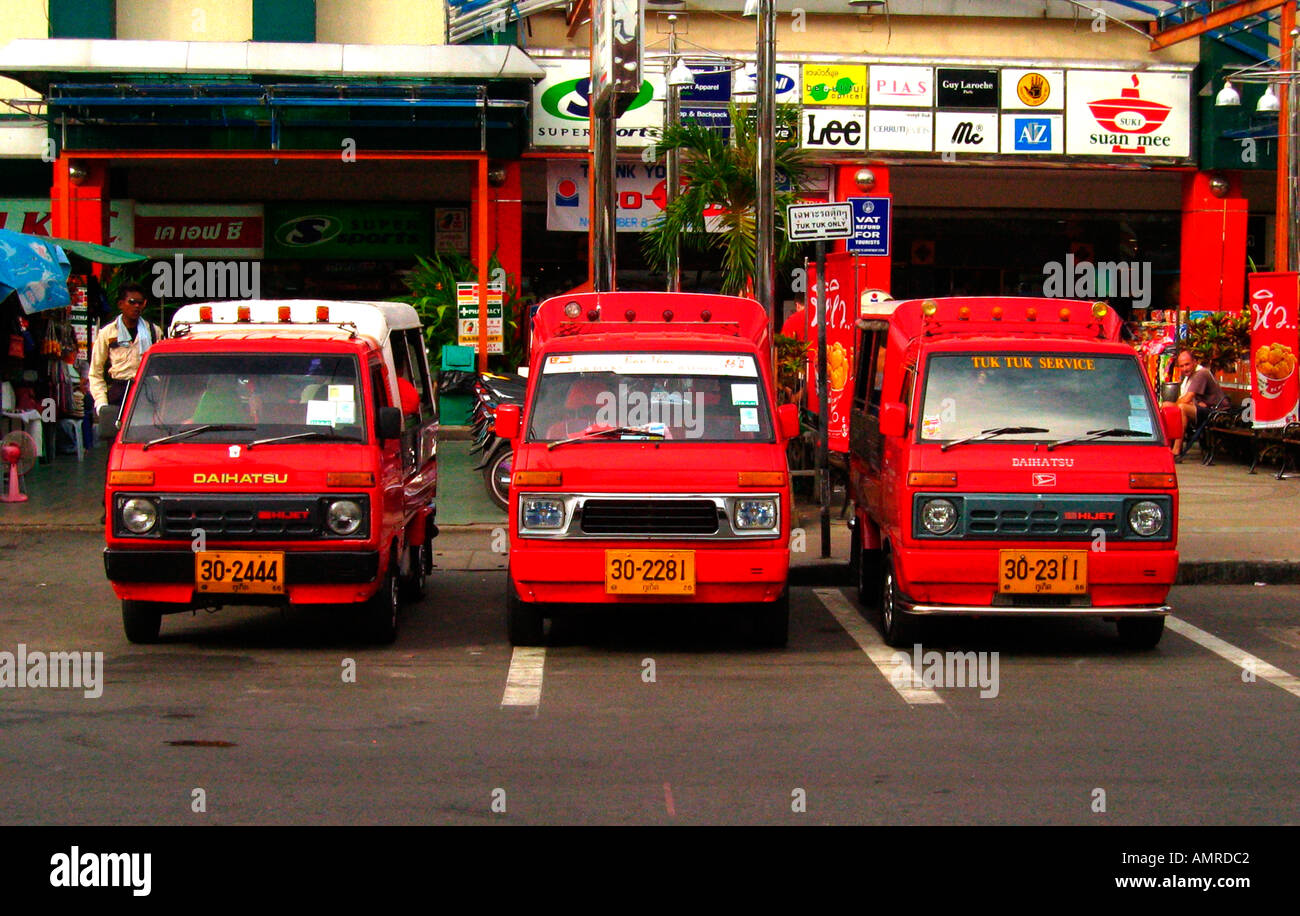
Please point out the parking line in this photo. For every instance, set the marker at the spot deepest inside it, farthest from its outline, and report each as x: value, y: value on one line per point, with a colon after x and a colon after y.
x: 524, y: 680
x: 883, y: 657
x: 1239, y: 657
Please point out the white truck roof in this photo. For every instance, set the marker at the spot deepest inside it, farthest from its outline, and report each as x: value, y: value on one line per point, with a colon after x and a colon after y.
x: 371, y: 319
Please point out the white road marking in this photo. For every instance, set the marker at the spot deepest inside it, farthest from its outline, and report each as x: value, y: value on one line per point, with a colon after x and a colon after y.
x: 883, y: 657
x: 1239, y: 657
x: 524, y: 680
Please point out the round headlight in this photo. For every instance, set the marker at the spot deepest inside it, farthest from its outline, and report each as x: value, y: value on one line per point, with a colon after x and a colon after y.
x: 939, y: 516
x: 1146, y: 518
x: 139, y: 515
x: 344, y: 516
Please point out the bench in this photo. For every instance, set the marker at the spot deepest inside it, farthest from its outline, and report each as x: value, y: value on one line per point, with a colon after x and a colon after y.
x: 1226, y: 426
x: 1287, y: 444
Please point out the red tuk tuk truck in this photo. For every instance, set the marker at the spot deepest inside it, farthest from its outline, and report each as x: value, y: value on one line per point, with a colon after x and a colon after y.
x: 1008, y: 457
x: 275, y: 452
x: 649, y: 461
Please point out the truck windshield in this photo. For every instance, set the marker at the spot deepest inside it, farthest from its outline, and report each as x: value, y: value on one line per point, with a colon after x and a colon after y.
x: 242, y: 397
x: 700, y: 397
x: 1054, y: 396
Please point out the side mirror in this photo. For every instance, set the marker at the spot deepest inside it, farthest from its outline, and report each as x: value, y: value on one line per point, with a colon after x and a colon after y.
x: 507, y: 421
x: 388, y: 424
x: 893, y: 419
x: 1171, y: 420
x: 787, y: 420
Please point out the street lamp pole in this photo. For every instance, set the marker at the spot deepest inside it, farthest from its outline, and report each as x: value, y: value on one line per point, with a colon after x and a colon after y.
x: 765, y: 197
x: 672, y: 115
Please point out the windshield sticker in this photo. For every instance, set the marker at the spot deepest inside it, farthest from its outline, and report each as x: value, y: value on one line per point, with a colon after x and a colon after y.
x: 1075, y: 363
x: 749, y: 419
x: 340, y: 393
x: 654, y: 364
x: 744, y: 395
x: 1137, y: 402
x: 321, y: 413
x: 345, y: 411
x: 930, y: 426
x: 1140, y: 422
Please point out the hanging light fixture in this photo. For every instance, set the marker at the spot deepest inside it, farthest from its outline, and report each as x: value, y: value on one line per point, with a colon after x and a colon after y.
x: 1227, y: 97
x: 681, y: 77
x: 1268, y: 102
x: 744, y: 85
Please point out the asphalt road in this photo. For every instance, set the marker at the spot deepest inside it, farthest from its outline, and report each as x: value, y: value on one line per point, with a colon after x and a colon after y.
x: 248, y: 715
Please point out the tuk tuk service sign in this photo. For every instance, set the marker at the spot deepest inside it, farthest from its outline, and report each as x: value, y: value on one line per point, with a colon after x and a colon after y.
x: 1274, y: 389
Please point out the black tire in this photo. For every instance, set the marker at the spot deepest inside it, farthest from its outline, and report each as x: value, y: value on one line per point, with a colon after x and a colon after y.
x: 1140, y: 632
x: 899, y: 629
x: 379, y: 613
x: 496, y: 478
x: 867, y: 572
x: 416, y: 585
x: 525, y: 623
x: 772, y: 621
x: 141, y: 621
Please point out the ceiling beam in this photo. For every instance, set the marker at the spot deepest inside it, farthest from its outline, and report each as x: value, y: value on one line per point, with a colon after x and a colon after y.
x: 1215, y: 20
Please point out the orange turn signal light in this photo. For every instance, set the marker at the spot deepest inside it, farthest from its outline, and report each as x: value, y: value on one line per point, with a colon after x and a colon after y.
x: 349, y: 478
x: 205, y: 313
x: 282, y: 312
x: 243, y: 313
x: 537, y: 478
x: 1152, y: 480
x: 762, y: 478
x: 322, y: 313
x: 131, y: 478
x: 932, y: 479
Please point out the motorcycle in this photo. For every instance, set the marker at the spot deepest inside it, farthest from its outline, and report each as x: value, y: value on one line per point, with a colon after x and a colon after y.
x: 491, y: 390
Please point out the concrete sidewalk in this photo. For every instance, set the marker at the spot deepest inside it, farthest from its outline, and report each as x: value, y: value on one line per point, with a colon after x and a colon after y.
x: 1235, y: 527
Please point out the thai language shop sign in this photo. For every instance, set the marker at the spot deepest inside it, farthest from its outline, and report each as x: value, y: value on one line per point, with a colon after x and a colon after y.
x: 1274, y: 389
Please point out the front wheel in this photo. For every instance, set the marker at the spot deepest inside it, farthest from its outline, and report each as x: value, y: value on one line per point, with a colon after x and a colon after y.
x: 772, y: 621
x: 1140, y: 632
x: 141, y: 620
x: 525, y: 624
x: 899, y: 628
x: 416, y: 585
x: 379, y: 613
x: 496, y: 477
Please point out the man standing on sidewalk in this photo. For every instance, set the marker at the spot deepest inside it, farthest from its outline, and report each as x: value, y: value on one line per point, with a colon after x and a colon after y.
x: 118, y: 349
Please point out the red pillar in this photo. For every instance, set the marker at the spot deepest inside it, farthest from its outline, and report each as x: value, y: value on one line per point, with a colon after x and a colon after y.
x: 873, y: 271
x: 508, y: 221
x: 79, y: 205
x: 1213, y: 261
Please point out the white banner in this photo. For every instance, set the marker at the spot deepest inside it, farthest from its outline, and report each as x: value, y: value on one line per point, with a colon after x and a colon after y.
x: 561, y: 114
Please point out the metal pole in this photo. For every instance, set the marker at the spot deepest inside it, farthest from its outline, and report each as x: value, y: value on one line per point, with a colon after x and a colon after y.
x: 604, y: 193
x: 823, y: 406
x: 765, y: 198
x: 1292, y: 111
x: 672, y: 114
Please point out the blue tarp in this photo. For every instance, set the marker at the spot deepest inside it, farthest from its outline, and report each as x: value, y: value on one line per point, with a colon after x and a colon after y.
x: 35, y: 269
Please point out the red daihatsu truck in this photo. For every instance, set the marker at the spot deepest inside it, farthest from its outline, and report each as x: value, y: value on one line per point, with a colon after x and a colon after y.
x: 1008, y: 457
x: 649, y: 461
x: 275, y: 452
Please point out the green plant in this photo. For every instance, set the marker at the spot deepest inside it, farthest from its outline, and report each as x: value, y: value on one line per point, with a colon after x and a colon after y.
x: 790, y: 360
x: 721, y: 173
x: 432, y: 284
x: 1219, y: 340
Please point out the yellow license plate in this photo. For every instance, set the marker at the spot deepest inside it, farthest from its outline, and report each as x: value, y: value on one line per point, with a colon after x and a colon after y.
x: 1043, y: 572
x: 649, y: 572
x: 239, y: 572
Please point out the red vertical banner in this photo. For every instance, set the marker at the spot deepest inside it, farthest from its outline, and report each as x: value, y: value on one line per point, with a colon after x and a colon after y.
x: 841, y: 314
x: 1275, y: 391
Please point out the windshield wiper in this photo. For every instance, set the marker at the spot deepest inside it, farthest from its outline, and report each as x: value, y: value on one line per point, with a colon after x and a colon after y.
x: 195, y: 430
x: 990, y: 433
x: 606, y: 431
x: 309, y: 434
x: 1099, y: 434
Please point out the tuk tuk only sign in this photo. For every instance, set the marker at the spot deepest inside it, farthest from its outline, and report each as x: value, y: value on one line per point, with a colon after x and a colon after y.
x: 1274, y: 389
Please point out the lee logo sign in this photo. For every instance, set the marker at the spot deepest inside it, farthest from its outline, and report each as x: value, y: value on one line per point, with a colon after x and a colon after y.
x: 834, y: 129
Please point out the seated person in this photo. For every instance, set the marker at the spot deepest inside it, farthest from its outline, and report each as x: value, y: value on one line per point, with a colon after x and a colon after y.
x: 1199, y: 393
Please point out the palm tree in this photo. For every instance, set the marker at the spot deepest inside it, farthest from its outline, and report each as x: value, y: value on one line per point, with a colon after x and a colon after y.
x: 722, y: 174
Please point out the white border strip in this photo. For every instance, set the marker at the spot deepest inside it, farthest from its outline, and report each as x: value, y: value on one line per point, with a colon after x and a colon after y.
x: 883, y: 657
x: 1239, y: 657
x: 524, y: 680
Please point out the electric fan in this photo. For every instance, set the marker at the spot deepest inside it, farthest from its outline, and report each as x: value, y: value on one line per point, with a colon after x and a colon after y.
x: 18, y: 453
